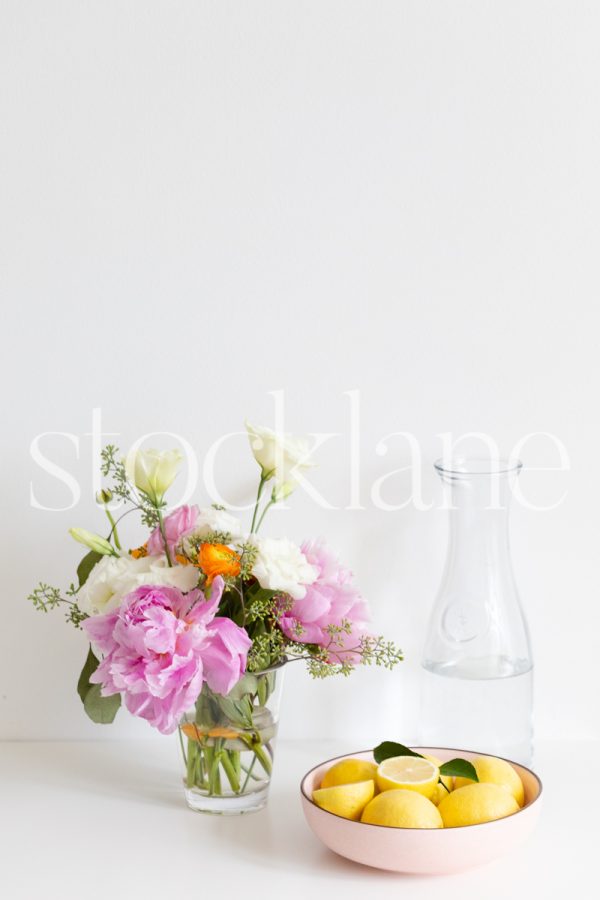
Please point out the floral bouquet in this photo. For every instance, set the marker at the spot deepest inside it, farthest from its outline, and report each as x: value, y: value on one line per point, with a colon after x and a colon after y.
x: 191, y: 629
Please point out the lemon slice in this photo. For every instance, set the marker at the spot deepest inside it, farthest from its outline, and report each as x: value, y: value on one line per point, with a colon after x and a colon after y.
x: 409, y: 773
x: 346, y: 800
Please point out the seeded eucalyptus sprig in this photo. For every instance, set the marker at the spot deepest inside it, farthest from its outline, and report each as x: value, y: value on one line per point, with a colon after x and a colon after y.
x: 461, y: 768
x: 45, y: 597
x: 113, y: 466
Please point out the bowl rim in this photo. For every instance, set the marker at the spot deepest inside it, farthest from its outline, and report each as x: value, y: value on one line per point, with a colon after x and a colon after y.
x: 512, y: 762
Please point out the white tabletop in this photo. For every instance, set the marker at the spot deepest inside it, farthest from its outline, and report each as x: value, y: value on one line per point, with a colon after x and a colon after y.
x: 108, y: 820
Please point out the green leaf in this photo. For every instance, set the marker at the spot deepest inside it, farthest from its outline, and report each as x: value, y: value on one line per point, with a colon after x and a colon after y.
x: 255, y: 591
x: 262, y: 690
x: 244, y: 709
x: 86, y: 565
x: 461, y: 768
x: 101, y: 710
x: 246, y: 685
x: 389, y: 749
x: 238, y: 712
x: 90, y: 666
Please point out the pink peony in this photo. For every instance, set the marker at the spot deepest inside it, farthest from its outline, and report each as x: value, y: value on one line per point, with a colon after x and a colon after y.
x: 177, y: 524
x: 159, y: 647
x: 224, y: 655
x: 332, y: 599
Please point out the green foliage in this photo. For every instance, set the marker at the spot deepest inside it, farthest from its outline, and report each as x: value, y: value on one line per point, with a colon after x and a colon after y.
x: 337, y: 658
x: 263, y: 604
x: 376, y: 651
x: 45, y: 597
x: 101, y: 710
x: 90, y: 666
x: 86, y: 565
x: 239, y: 712
x: 268, y: 648
x: 389, y: 749
x: 113, y: 467
x: 461, y: 768
x: 249, y: 552
x: 248, y: 684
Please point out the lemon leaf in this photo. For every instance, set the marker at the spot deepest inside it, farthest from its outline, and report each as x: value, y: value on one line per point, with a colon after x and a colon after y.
x: 461, y: 768
x: 389, y: 749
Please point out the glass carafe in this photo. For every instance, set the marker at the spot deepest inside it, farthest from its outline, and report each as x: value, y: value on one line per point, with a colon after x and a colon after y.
x: 477, y: 676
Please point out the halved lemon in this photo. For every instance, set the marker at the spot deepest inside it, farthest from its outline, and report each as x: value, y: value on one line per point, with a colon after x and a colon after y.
x: 347, y: 800
x: 349, y: 771
x: 409, y: 773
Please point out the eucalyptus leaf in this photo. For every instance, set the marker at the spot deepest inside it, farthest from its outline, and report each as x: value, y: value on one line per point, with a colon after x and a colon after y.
x: 389, y: 749
x: 90, y: 666
x: 207, y: 710
x: 228, y: 708
x: 262, y: 691
x: 244, y: 708
x: 461, y: 768
x: 246, y: 685
x: 239, y: 712
x: 86, y: 565
x: 101, y: 710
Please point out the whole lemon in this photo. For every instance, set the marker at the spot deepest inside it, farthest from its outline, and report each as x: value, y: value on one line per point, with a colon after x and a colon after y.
x: 491, y: 770
x: 349, y: 771
x: 476, y: 803
x: 345, y: 800
x: 402, y: 809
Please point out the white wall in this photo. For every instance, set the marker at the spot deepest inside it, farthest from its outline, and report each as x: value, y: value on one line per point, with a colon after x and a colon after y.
x: 205, y: 202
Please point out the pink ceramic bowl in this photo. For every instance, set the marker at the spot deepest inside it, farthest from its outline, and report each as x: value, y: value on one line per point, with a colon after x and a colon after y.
x: 417, y: 850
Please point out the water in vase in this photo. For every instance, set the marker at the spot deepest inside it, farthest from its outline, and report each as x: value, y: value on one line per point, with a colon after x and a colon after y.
x: 472, y: 712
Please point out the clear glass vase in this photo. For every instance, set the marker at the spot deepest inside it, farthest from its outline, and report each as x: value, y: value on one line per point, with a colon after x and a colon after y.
x: 228, y: 743
x: 477, y: 681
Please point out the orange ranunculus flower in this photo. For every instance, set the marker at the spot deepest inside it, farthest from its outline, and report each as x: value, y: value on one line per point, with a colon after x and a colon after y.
x: 218, y: 559
x: 182, y: 560
x: 139, y: 552
x: 196, y: 732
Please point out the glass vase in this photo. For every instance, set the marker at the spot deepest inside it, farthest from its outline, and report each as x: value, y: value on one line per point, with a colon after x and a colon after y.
x: 477, y: 663
x: 228, y: 743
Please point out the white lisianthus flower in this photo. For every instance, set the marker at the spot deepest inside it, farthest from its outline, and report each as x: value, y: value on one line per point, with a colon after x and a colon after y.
x: 153, y: 471
x: 280, y: 565
x: 115, y: 576
x: 282, y: 491
x: 280, y: 456
x: 211, y: 519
